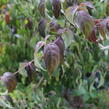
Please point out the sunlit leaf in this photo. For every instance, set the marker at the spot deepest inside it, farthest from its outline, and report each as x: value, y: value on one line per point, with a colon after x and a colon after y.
x: 68, y: 37
x: 37, y: 60
x: 23, y: 71
x: 70, y: 14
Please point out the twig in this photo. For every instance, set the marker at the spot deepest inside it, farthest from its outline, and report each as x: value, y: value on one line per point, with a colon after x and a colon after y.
x: 104, y: 47
x: 35, y: 87
x: 40, y: 81
x: 22, y: 68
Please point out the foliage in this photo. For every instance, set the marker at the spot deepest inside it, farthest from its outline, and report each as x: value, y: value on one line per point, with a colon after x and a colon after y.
x: 58, y: 53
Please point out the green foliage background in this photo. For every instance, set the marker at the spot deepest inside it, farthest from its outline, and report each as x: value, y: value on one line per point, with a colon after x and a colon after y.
x: 81, y: 57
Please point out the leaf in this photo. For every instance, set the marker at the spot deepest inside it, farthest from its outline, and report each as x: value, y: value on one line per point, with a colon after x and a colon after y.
x: 1, y: 48
x: 23, y: 71
x: 41, y: 7
x: 86, y: 25
x: 31, y: 71
x: 42, y: 27
x: 33, y: 41
x: 107, y: 9
x: 88, y: 4
x: 37, y: 60
x: 101, y: 82
x: 92, y: 36
x: 70, y: 14
x: 67, y: 36
x: 80, y: 91
x: 56, y: 8
x: 102, y: 26
x: 51, y: 57
x: 9, y: 81
x: 54, y: 26
x: 86, y: 20
x: 60, y: 43
x: 7, y: 17
x: 39, y: 45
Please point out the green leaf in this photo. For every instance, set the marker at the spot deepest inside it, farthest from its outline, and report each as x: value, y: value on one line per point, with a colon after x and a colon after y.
x: 80, y: 91
x: 70, y: 14
x: 67, y: 36
x: 101, y: 82
x: 33, y: 41
x: 22, y: 70
x: 37, y: 58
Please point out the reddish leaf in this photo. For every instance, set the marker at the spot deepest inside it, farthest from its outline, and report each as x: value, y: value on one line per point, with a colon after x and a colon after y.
x: 56, y: 8
x: 31, y: 71
x: 92, y: 37
x: 9, y: 80
x: 51, y: 57
x: 102, y: 26
x: 86, y: 23
x: 60, y: 43
x: 7, y: 17
x: 96, y: 21
x: 39, y: 45
x: 42, y: 27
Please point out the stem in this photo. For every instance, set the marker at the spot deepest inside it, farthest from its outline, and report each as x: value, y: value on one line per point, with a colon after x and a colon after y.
x: 22, y: 67
x: 40, y: 81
